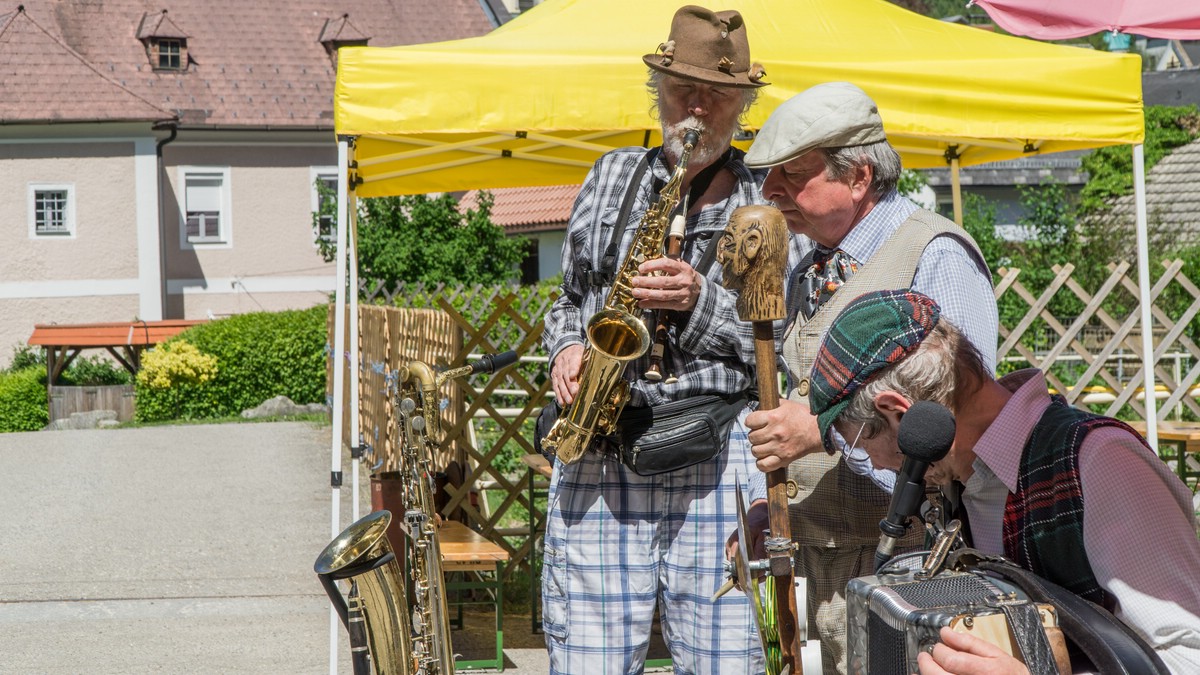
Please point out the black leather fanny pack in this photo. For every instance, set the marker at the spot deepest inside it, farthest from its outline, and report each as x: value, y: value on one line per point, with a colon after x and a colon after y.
x: 668, y: 437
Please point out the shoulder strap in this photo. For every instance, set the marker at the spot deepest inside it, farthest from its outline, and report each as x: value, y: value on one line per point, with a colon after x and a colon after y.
x: 1110, y: 645
x: 608, y: 263
x: 699, y: 187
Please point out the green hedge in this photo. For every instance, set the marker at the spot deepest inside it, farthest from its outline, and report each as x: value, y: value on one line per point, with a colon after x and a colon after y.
x: 23, y: 399
x: 259, y: 356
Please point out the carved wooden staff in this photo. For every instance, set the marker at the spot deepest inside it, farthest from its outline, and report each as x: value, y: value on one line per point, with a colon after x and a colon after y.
x: 753, y: 252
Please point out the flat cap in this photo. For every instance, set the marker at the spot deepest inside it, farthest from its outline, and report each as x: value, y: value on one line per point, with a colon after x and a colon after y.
x: 829, y: 115
x: 873, y: 332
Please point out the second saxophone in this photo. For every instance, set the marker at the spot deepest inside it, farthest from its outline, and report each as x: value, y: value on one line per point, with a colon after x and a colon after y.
x: 617, y: 334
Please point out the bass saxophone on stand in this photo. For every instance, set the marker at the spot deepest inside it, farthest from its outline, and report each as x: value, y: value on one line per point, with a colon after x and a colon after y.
x: 617, y: 334
x: 394, y: 631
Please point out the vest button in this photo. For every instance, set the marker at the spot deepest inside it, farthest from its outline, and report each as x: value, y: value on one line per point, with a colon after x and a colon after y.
x: 803, y: 388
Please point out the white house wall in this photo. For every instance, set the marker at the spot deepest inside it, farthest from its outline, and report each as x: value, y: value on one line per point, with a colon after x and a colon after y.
x: 92, y: 275
x: 271, y: 261
x: 550, y: 253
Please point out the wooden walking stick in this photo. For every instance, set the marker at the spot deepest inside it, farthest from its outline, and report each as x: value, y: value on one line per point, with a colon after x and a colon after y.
x: 754, y: 250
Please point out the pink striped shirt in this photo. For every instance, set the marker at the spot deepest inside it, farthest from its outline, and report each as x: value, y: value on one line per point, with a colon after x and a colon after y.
x: 1139, y: 526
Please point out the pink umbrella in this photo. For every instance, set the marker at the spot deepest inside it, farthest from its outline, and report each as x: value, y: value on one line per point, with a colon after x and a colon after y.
x: 1062, y: 19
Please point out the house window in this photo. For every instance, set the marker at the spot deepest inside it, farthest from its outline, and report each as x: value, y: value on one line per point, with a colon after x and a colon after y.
x: 170, y: 53
x: 205, y: 207
x: 324, y: 204
x: 51, y: 211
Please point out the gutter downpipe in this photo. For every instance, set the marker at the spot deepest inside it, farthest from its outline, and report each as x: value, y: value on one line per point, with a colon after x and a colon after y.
x: 162, y: 230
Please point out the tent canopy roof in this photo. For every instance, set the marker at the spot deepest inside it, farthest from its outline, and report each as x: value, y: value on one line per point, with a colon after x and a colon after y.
x: 536, y: 101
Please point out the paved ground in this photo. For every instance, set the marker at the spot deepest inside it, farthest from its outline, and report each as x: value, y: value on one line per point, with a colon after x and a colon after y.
x: 185, y: 549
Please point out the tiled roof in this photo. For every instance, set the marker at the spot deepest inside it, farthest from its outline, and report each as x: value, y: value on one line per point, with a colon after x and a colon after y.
x: 44, y: 80
x: 1179, y: 86
x: 1172, y: 197
x: 533, y: 209
x: 159, y: 25
x: 251, y: 64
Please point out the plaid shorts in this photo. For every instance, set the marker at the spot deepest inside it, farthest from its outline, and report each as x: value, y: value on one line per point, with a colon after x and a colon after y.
x: 618, y: 543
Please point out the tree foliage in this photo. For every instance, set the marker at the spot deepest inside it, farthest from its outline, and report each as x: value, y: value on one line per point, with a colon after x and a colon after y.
x: 1110, y: 169
x: 426, y: 238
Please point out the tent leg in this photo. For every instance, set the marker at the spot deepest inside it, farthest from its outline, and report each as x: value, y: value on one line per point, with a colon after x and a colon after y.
x: 1143, y: 248
x: 956, y: 190
x: 355, y: 352
x: 339, y: 373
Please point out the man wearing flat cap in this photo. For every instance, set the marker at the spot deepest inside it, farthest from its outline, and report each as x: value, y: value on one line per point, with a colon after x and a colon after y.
x: 1047, y: 485
x: 833, y: 175
x: 624, y: 536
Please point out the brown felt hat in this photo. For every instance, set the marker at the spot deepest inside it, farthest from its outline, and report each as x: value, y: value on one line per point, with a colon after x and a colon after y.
x: 709, y: 47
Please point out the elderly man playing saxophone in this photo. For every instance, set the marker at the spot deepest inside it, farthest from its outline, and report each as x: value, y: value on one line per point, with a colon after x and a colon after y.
x: 625, y: 535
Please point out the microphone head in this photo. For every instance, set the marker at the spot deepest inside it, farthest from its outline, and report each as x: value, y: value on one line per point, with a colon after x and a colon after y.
x: 926, y: 432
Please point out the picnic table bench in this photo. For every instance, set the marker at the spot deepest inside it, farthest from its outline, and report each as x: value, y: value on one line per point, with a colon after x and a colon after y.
x: 1184, y: 437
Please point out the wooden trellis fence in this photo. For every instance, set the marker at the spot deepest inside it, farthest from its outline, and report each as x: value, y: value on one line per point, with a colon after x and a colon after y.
x: 467, y: 321
x: 1092, y: 359
x: 1095, y: 358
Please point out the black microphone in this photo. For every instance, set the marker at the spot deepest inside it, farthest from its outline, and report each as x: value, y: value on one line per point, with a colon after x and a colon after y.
x: 925, y: 435
x: 490, y: 363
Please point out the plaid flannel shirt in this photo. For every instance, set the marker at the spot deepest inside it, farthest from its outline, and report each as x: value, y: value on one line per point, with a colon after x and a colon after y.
x: 710, y: 350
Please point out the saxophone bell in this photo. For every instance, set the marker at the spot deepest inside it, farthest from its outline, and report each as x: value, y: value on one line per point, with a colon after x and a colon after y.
x: 378, y: 607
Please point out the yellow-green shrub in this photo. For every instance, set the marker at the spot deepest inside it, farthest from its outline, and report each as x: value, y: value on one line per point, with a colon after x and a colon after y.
x: 176, y: 363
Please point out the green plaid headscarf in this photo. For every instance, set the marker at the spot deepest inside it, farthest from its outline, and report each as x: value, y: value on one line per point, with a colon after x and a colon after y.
x: 874, y: 331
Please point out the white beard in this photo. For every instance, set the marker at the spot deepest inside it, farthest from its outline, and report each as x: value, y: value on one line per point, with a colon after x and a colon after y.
x: 713, y: 142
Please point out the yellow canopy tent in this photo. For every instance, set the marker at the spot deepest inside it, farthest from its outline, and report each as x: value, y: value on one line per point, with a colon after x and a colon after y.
x: 536, y: 101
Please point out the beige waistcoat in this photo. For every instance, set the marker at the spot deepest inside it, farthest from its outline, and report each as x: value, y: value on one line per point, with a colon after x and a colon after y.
x: 836, y: 507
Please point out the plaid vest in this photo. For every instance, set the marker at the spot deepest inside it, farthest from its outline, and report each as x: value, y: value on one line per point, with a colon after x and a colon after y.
x: 1043, y: 520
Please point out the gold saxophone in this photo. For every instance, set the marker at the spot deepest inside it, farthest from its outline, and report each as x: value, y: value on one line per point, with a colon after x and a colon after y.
x: 617, y: 334
x: 392, y: 629
x: 376, y: 611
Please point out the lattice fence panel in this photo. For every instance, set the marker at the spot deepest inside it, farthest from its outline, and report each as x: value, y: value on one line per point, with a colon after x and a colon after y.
x: 461, y: 322
x: 1094, y: 358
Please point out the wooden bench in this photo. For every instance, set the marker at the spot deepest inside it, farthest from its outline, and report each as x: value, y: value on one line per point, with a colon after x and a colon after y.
x: 466, y: 552
x: 1184, y: 437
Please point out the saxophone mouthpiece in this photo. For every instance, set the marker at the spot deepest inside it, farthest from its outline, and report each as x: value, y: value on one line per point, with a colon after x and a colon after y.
x: 691, y: 137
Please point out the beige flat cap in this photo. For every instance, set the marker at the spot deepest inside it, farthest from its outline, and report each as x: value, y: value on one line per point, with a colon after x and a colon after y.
x: 829, y: 115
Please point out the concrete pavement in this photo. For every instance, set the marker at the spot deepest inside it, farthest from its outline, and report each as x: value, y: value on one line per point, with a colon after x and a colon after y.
x: 177, y: 549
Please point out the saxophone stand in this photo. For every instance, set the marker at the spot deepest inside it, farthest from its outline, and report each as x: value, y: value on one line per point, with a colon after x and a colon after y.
x: 753, y: 251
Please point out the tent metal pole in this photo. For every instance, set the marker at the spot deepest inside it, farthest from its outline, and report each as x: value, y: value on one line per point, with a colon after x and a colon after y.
x: 1143, y: 248
x: 956, y: 186
x: 355, y: 354
x: 339, y: 374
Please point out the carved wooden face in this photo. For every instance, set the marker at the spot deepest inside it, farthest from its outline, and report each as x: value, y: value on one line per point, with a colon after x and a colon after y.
x: 754, y: 237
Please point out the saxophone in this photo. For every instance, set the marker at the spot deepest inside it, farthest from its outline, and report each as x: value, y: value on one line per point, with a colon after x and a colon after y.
x: 394, y: 630
x: 617, y: 334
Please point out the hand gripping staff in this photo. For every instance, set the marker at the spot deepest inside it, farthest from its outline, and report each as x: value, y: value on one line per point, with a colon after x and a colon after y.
x: 753, y: 252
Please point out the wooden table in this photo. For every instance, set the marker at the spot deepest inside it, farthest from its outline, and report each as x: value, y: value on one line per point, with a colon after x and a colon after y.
x: 539, y: 464
x: 1185, y: 438
x: 466, y: 551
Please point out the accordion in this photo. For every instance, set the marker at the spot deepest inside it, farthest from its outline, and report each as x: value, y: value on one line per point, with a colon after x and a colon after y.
x: 894, y: 615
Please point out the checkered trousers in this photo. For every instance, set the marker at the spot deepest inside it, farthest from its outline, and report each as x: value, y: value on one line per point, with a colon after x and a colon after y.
x: 618, y: 543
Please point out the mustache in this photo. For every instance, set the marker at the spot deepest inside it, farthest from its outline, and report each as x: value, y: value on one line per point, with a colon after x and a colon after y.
x: 712, y: 143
